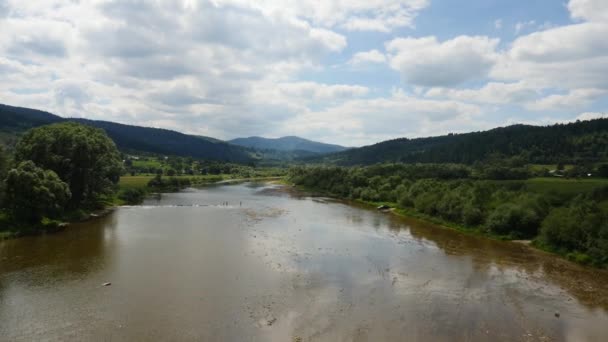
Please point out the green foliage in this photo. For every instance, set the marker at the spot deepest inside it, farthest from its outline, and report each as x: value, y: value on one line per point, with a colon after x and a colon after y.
x: 290, y: 143
x: 132, y: 195
x: 82, y: 156
x: 509, y: 208
x: 515, y: 219
x: 581, y: 228
x: 130, y: 138
x: 33, y: 193
x: 3, y: 170
x: 584, y: 141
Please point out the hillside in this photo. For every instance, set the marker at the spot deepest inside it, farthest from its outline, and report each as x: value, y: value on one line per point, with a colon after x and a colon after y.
x: 16, y: 120
x: 289, y: 143
x: 581, y: 141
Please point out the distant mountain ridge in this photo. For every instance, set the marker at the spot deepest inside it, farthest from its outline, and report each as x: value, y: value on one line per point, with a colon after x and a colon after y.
x: 577, y: 142
x: 16, y: 120
x: 288, y: 143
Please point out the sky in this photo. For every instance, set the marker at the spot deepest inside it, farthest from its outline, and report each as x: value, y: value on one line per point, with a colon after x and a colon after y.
x: 351, y: 72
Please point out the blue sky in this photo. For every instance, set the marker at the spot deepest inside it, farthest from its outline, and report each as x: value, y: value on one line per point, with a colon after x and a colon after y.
x: 349, y: 72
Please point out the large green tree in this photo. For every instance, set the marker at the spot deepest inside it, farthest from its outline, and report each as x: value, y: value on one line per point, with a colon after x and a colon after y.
x: 33, y: 193
x: 82, y: 156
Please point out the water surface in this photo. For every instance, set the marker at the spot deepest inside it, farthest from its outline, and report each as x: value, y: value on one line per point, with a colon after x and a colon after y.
x: 261, y: 262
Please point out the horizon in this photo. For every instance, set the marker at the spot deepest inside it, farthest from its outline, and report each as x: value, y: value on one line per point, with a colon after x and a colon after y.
x: 350, y: 74
x: 547, y: 124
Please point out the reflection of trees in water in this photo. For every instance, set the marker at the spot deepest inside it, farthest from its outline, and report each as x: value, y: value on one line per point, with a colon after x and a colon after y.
x: 79, y: 250
x: 586, y: 284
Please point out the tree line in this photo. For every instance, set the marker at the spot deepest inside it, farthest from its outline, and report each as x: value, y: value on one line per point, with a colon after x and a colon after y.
x: 578, y: 143
x: 575, y: 225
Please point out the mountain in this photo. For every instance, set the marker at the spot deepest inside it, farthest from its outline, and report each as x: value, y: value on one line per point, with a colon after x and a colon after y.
x: 16, y: 120
x: 581, y: 141
x: 289, y: 143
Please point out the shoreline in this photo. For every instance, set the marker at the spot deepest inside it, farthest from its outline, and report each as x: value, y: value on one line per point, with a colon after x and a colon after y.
x: 63, y: 225
x: 59, y: 227
x: 393, y: 210
x: 440, y: 223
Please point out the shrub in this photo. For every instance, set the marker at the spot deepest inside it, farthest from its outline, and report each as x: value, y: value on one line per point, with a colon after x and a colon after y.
x: 513, y: 219
x: 132, y: 195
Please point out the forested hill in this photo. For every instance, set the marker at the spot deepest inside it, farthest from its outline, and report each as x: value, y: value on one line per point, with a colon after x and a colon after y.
x: 581, y: 141
x: 16, y: 120
x: 289, y: 143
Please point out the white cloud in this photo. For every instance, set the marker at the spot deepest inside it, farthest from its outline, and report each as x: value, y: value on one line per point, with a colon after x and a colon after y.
x: 591, y: 10
x: 567, y: 57
x: 227, y: 68
x: 362, y: 121
x: 572, y: 100
x: 490, y: 93
x: 428, y: 62
x: 194, y: 66
x: 372, y: 56
x: 312, y: 91
x: 353, y: 15
x: 561, y: 44
x: 520, y: 26
x: 591, y: 116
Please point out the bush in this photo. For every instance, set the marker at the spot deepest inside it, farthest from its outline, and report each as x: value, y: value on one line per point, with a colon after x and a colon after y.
x: 581, y: 228
x: 471, y: 215
x: 132, y: 195
x: 513, y: 219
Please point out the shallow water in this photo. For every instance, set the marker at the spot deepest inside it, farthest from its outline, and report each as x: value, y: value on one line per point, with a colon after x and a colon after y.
x: 277, y: 265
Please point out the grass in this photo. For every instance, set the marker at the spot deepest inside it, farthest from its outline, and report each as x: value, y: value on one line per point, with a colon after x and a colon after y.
x: 539, y: 167
x: 568, y: 187
x: 564, y: 186
x: 134, y: 182
x: 149, y: 163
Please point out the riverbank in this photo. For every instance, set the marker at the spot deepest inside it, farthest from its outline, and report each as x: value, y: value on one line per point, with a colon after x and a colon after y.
x: 409, y: 213
x: 136, y: 186
x: 49, y: 226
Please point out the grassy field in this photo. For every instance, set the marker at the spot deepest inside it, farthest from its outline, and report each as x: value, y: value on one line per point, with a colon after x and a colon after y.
x: 564, y: 186
x: 150, y: 163
x: 141, y: 181
x: 134, y: 182
x: 539, y: 167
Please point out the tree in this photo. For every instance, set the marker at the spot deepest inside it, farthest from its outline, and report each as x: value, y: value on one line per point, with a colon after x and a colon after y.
x: 82, y: 156
x: 510, y: 218
x: 3, y: 168
x: 33, y: 193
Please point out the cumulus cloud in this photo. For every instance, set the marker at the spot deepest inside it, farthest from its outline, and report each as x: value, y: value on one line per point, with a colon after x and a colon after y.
x: 592, y: 10
x: 360, y: 121
x: 572, y: 100
x: 229, y: 68
x: 428, y: 62
x: 372, y: 56
x: 354, y: 15
x: 491, y: 93
x: 566, y: 57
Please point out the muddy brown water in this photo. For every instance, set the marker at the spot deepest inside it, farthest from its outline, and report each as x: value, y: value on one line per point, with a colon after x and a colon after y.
x: 277, y: 265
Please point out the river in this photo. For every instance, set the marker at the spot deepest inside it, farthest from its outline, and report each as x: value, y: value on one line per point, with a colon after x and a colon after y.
x: 264, y: 262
